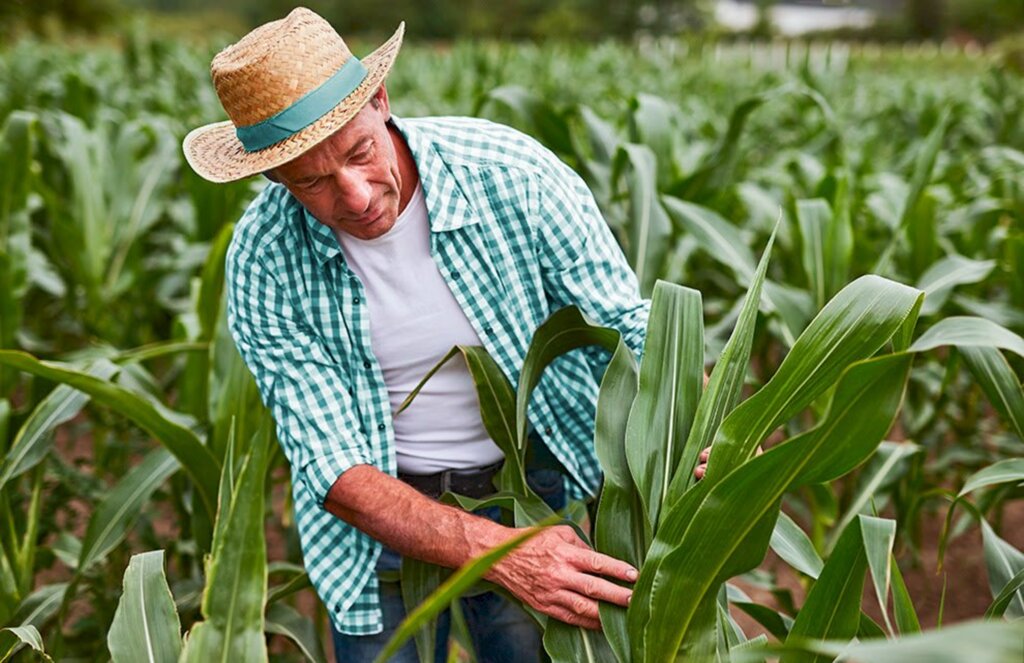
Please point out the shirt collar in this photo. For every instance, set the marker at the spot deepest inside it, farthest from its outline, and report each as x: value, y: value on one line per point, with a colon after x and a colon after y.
x: 448, y: 207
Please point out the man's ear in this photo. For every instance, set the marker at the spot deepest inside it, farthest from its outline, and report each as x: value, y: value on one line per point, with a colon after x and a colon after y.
x: 380, y: 102
x: 271, y: 175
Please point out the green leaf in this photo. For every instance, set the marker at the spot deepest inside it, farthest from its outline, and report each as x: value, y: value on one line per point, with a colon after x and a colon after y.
x: 671, y: 379
x: 976, y: 641
x: 1010, y: 470
x: 815, y: 219
x: 620, y: 528
x: 146, y: 625
x: 236, y: 571
x: 41, y: 605
x: 852, y: 326
x: 964, y: 331
x: 570, y: 644
x: 194, y: 457
x: 879, y: 534
x: 791, y: 544
x: 990, y: 368
x: 715, y: 172
x: 119, y: 510
x: 953, y: 270
x: 13, y: 638
x: 420, y: 580
x: 1009, y: 593
x: 903, y: 606
x: 282, y: 619
x: 725, y: 384
x: 34, y: 438
x: 564, y: 330
x: 832, y: 608
x: 17, y: 153
x: 1003, y: 562
x: 717, y: 530
x: 719, y: 238
x: 880, y: 472
x: 648, y: 225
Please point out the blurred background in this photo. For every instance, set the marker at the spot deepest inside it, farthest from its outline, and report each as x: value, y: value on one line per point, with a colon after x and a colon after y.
x: 965, y: 21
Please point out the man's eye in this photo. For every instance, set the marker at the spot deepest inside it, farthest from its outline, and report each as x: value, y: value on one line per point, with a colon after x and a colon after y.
x: 312, y: 184
x: 364, y: 155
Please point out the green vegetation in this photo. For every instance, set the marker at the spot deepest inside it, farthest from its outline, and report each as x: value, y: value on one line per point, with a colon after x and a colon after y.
x: 866, y: 179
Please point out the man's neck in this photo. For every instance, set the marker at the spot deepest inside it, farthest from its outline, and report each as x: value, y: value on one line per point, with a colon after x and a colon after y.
x: 406, y: 167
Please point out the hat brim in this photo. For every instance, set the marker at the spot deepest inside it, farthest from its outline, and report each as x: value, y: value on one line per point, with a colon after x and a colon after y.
x: 216, y: 154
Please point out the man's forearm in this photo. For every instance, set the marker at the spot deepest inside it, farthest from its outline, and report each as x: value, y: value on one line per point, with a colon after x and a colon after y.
x: 402, y: 518
x: 553, y: 572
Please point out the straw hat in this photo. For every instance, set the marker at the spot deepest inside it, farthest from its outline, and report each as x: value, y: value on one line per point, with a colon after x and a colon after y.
x: 287, y: 86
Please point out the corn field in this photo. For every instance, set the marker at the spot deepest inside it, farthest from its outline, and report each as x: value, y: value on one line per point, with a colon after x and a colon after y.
x: 835, y: 234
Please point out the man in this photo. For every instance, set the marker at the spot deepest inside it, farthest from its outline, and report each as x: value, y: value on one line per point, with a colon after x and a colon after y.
x: 380, y: 245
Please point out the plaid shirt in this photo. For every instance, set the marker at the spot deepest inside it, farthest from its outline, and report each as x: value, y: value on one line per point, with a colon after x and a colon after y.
x: 515, y: 233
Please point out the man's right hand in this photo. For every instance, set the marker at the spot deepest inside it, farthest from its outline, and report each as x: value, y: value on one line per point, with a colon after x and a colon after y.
x: 556, y: 573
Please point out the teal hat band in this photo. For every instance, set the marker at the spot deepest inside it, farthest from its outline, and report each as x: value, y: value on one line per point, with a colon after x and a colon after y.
x: 306, y: 110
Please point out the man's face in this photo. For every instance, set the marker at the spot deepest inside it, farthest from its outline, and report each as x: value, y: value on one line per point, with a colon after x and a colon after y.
x: 353, y: 181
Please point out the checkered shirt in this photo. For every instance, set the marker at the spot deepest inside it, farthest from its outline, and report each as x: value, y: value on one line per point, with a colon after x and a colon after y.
x: 516, y: 235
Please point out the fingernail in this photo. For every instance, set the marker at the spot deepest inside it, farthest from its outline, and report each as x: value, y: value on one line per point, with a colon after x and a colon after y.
x: 632, y: 574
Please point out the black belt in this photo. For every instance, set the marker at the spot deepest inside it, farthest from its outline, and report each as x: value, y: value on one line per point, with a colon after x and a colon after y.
x: 477, y: 483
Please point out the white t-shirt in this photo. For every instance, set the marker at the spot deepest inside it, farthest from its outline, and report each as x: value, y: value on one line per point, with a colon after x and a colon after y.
x: 414, y: 321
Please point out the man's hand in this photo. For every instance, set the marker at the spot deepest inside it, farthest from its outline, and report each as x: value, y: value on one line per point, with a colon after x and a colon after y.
x: 557, y: 574
x: 702, y: 464
x: 554, y: 571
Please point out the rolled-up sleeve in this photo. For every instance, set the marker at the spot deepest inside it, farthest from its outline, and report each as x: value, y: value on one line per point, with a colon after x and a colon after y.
x: 581, y: 262
x: 304, y: 388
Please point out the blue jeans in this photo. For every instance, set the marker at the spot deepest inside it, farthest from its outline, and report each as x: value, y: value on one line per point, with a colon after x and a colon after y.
x: 502, y: 632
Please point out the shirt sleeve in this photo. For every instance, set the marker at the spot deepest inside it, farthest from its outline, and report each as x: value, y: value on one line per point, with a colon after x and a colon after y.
x: 298, y: 380
x: 581, y: 261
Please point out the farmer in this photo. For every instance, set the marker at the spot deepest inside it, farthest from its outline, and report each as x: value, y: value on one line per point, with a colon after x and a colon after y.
x: 380, y: 244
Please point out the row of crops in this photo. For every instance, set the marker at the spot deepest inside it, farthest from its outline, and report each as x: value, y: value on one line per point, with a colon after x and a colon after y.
x: 137, y: 459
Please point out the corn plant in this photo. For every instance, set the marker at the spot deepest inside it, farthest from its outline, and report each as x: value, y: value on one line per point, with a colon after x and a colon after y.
x: 688, y: 537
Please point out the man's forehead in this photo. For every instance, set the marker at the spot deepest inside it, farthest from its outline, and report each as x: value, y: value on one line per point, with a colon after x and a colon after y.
x: 340, y: 143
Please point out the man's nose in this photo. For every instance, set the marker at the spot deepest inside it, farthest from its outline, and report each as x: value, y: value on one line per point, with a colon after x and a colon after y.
x: 354, y: 191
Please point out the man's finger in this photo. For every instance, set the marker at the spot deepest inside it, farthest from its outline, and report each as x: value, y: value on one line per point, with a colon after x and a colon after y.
x: 599, y: 589
x: 594, y: 562
x: 699, y: 471
x: 569, y: 617
x: 579, y: 605
x: 704, y: 455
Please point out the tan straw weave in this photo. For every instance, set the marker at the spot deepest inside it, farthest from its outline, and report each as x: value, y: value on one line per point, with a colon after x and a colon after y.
x: 267, y: 71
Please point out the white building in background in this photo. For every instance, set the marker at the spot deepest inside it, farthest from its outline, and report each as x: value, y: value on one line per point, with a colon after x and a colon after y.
x: 793, y: 19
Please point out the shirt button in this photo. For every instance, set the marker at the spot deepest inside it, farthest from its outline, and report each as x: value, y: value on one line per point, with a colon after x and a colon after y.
x: 356, y: 300
x: 366, y: 364
x: 455, y: 275
x: 548, y: 430
x: 488, y: 329
x: 381, y: 426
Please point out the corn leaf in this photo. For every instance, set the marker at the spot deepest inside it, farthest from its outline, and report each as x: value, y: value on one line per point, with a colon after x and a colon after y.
x: 146, y: 626
x: 117, y: 513
x: 236, y: 571
x: 194, y: 457
x: 671, y: 379
x: 717, y: 530
x: 832, y: 608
